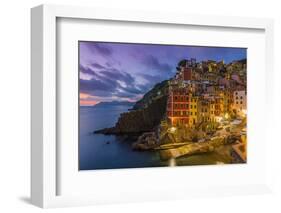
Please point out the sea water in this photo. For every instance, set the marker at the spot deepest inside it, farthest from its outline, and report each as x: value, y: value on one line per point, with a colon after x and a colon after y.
x: 98, y: 151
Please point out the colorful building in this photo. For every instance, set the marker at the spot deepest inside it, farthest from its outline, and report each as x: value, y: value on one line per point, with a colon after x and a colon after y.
x: 199, y: 93
x: 193, y: 110
x: 239, y: 105
x: 178, y: 106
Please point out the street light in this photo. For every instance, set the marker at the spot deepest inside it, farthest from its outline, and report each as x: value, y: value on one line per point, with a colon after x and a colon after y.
x: 226, y: 116
x: 173, y: 129
x: 244, y: 112
x: 218, y: 118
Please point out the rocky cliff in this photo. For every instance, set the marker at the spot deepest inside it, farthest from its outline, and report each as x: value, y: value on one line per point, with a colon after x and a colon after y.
x: 141, y: 120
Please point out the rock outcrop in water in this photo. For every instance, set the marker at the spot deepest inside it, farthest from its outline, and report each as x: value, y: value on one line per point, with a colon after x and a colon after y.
x: 146, y: 114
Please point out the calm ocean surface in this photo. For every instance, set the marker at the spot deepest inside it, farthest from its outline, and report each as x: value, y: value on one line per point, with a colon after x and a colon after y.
x: 97, y: 151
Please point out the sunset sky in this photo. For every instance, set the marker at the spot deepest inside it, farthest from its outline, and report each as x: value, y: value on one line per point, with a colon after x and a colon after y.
x: 125, y: 72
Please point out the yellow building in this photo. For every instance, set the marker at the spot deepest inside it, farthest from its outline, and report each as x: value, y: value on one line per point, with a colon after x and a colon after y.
x: 204, y: 110
x: 193, y: 110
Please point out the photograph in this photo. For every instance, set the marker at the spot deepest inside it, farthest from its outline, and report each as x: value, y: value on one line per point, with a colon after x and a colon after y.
x: 147, y: 105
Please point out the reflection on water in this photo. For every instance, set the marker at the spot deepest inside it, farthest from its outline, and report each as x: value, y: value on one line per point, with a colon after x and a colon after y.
x: 97, y: 151
x: 172, y: 162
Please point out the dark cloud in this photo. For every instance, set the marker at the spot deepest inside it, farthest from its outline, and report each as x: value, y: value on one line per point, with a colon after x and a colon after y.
x: 108, y: 64
x: 108, y: 82
x: 153, y: 63
x: 86, y: 70
x: 94, y: 85
x: 116, y: 74
x: 103, y: 49
x: 98, y: 66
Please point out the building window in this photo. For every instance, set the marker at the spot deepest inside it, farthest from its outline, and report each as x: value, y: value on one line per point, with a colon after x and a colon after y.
x: 190, y: 113
x: 241, y: 97
x: 241, y: 102
x: 190, y: 106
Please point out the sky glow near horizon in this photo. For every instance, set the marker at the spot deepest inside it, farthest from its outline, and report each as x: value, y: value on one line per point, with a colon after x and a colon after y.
x: 125, y: 72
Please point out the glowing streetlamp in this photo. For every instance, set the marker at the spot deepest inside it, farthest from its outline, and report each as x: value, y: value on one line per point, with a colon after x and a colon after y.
x: 226, y: 115
x: 218, y: 118
x: 244, y: 112
x: 173, y: 129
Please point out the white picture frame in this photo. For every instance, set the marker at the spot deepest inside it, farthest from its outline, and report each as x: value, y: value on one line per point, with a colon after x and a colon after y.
x: 44, y: 155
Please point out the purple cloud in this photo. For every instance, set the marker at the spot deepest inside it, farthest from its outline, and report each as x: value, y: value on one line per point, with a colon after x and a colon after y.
x: 151, y: 62
x: 86, y: 70
x: 99, y: 48
x: 123, y: 70
x: 98, y: 66
x: 109, y: 82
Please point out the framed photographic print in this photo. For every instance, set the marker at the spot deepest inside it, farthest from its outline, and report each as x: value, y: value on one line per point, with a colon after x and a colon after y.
x: 149, y: 106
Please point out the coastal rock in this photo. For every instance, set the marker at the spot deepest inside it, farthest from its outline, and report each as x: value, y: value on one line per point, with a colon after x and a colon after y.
x: 145, y: 141
x: 139, y: 121
x: 167, y: 138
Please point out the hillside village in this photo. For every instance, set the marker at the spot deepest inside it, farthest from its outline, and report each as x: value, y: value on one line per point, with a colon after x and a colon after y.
x: 202, y: 108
